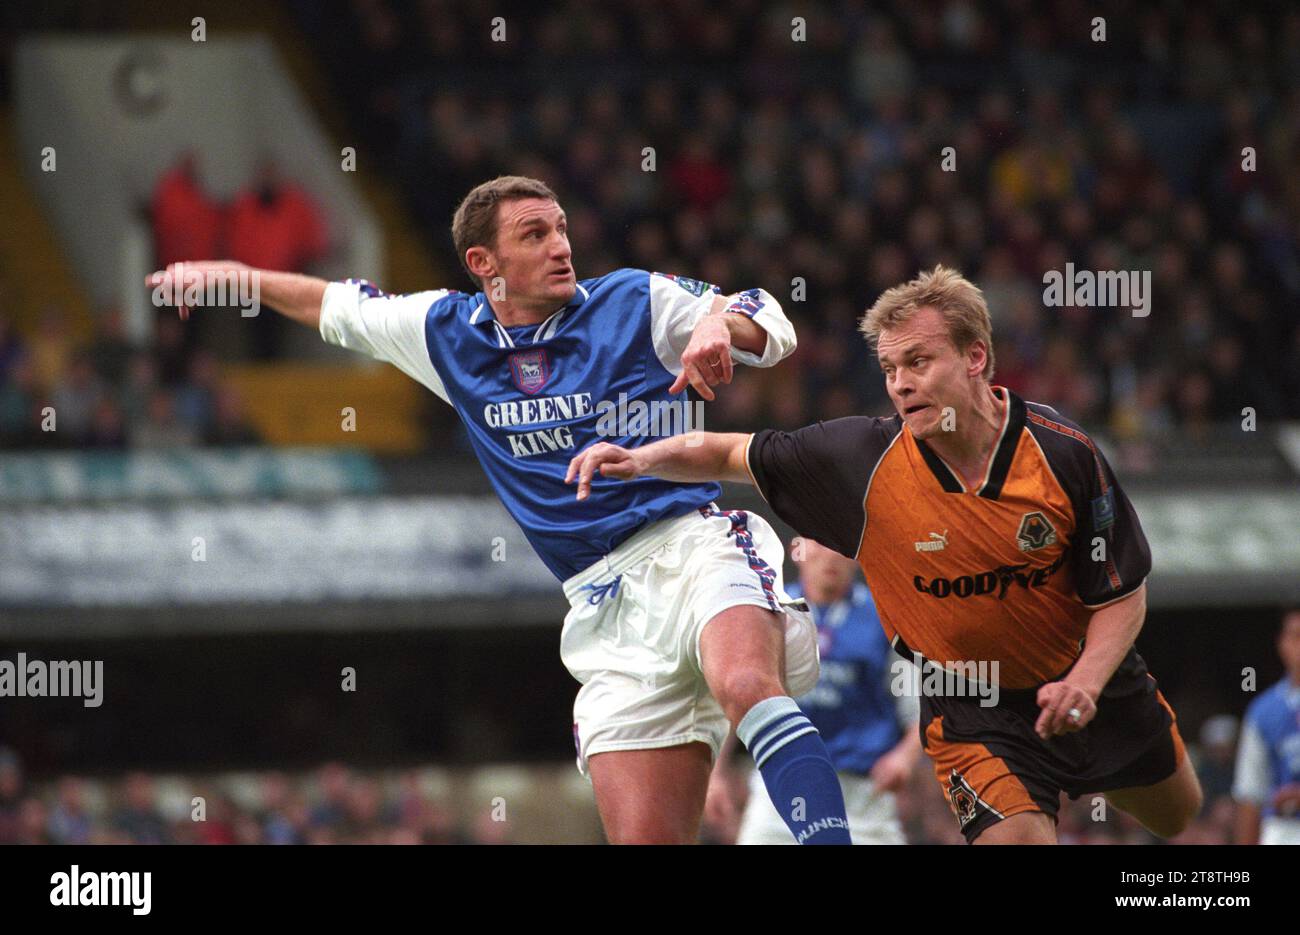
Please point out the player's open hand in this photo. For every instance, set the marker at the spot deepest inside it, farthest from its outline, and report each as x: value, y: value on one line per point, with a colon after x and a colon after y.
x: 609, y: 460
x: 1066, y: 708
x: 190, y: 274
x: 706, y: 361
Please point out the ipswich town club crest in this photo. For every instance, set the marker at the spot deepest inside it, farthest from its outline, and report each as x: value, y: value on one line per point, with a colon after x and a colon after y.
x: 530, y: 370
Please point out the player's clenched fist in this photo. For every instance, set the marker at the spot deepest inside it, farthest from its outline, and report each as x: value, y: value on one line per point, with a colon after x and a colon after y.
x: 1066, y: 708
x: 610, y: 460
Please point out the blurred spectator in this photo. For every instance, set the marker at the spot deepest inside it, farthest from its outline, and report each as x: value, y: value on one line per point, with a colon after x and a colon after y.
x: 18, y: 411
x: 51, y: 348
x: 11, y: 794
x: 161, y: 427
x: 69, y: 822
x: 186, y: 220
x: 75, y: 400
x: 136, y: 815
x: 274, y: 225
x: 1267, y: 782
x: 1218, y: 751
x: 111, y: 350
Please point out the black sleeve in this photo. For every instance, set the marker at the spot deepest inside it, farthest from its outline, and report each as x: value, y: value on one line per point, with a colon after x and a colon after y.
x: 1117, y: 566
x: 815, y: 478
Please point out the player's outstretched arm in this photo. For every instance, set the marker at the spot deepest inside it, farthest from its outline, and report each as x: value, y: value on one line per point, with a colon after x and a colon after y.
x: 695, y: 456
x: 293, y: 295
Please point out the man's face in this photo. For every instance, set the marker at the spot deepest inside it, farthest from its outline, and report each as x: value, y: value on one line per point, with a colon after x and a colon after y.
x: 532, y: 253
x: 824, y: 571
x: 924, y: 371
x: 1288, y: 643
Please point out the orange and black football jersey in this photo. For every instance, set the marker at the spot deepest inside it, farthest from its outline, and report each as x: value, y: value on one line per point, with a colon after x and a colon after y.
x: 1010, y: 571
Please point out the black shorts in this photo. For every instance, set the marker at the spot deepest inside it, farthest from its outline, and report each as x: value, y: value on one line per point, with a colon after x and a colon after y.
x: 992, y: 765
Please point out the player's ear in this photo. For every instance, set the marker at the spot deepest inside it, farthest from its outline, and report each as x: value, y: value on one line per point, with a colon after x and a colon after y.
x: 481, y: 262
x: 977, y: 358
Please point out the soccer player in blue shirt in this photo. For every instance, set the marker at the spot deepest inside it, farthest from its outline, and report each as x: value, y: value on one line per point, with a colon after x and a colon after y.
x: 679, y: 626
x: 1267, y: 783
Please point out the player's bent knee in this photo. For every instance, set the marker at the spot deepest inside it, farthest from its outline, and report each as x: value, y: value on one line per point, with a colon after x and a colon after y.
x: 738, y: 691
x: 1182, y: 816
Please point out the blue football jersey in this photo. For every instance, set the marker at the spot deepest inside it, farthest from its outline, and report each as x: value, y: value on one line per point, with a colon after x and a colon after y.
x: 852, y: 706
x: 1268, y: 757
x: 533, y: 396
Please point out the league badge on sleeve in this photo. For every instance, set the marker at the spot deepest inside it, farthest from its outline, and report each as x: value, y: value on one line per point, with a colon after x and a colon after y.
x: 530, y: 370
x: 695, y: 287
x: 1103, y: 511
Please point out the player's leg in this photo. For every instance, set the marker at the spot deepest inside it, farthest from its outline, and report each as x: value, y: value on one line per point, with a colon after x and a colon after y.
x: 995, y: 772
x: 652, y: 796
x: 1025, y: 828
x: 1164, y: 808
x: 742, y: 656
x: 742, y: 652
x: 1159, y: 787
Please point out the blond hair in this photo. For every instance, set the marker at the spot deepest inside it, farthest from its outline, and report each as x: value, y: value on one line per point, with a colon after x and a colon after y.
x: 475, y: 221
x: 956, y: 298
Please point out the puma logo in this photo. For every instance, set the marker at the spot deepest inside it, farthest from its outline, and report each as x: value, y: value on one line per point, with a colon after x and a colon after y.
x: 937, y: 542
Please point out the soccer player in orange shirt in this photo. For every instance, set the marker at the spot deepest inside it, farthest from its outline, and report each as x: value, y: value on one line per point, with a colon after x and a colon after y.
x: 996, y: 540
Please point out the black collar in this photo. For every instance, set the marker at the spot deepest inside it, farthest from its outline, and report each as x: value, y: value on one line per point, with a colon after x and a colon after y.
x: 1013, y: 423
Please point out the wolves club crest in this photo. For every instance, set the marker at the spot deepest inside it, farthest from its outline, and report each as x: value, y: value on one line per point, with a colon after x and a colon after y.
x: 964, y: 800
x: 530, y: 370
x: 1036, y: 532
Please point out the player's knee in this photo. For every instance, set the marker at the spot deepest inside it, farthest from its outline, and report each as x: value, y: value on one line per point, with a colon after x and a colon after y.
x: 740, y: 690
x: 1175, y: 819
x: 1170, y: 826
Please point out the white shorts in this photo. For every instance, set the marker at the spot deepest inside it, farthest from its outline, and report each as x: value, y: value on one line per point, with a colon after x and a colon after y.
x: 632, y: 634
x: 1278, y: 830
x: 873, y: 816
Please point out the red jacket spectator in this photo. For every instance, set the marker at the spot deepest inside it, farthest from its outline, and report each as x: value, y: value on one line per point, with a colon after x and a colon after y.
x: 186, y: 222
x: 275, y: 226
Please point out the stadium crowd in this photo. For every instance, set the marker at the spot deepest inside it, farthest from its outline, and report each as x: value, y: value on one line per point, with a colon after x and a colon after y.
x: 108, y: 394
x: 777, y: 161
x: 336, y: 804
x: 819, y: 169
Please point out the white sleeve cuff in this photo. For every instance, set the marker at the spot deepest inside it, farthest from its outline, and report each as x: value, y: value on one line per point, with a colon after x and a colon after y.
x: 781, y: 340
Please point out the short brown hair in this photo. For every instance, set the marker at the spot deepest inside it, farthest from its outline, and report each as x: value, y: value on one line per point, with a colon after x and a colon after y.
x: 954, y: 296
x: 475, y: 221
